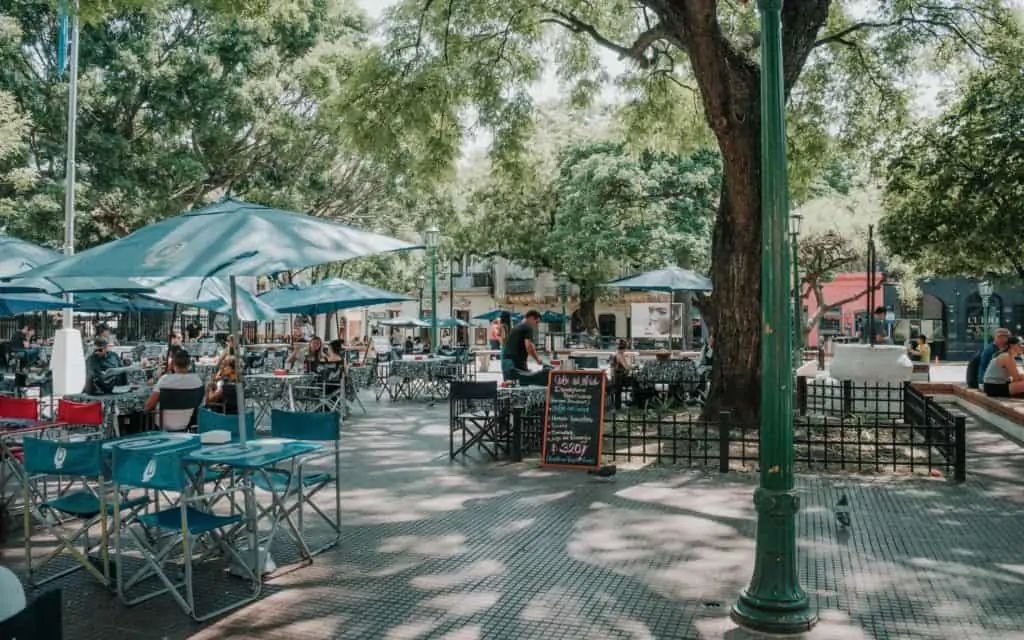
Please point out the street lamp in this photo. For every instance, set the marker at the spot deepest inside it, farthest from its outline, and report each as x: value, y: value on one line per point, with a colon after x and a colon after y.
x: 794, y: 237
x: 432, y: 238
x: 423, y: 283
x: 985, y: 289
x: 563, y: 289
x: 774, y: 602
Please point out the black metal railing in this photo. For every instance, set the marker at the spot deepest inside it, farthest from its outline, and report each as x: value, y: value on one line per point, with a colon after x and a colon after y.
x: 822, y: 443
x: 939, y: 425
x: 847, y: 398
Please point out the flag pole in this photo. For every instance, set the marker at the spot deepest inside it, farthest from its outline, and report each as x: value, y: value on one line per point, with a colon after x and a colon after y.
x: 69, y: 169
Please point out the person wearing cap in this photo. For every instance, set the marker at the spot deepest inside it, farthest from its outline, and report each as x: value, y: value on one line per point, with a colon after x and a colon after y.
x: 998, y: 345
x: 1002, y: 377
x: 97, y: 365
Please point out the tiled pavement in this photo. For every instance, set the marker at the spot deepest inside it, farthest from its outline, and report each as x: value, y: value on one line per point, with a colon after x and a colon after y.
x: 460, y: 551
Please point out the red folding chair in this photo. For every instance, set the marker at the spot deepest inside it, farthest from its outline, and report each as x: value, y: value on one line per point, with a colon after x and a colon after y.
x: 19, y: 408
x: 83, y: 414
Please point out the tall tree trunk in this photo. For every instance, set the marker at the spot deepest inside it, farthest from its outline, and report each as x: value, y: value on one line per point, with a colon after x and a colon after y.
x: 736, y: 273
x: 584, y: 318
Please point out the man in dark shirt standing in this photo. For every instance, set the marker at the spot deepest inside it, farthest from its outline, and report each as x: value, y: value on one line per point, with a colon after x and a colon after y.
x: 20, y: 345
x: 519, y: 346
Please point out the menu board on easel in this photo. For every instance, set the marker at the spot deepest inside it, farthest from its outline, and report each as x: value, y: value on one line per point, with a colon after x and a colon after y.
x: 574, y: 420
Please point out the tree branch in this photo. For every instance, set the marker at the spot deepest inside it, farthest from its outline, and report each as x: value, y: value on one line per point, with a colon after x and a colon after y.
x: 635, y: 52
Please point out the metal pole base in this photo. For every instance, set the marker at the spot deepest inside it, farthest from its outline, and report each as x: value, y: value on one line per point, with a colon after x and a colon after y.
x: 773, y: 618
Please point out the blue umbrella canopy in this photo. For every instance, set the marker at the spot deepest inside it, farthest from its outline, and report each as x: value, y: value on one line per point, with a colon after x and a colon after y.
x: 495, y: 314
x: 212, y: 294
x: 15, y: 304
x: 228, y: 238
x: 114, y: 303
x: 551, y: 316
x: 405, y: 322
x: 451, y: 323
x: 18, y: 256
x: 329, y: 295
x: 668, y: 280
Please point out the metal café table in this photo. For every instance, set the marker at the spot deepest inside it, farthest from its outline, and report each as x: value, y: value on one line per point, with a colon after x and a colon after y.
x: 261, y: 457
x: 265, y: 389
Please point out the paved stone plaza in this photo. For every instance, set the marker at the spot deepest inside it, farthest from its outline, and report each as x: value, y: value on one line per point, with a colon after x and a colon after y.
x: 467, y: 551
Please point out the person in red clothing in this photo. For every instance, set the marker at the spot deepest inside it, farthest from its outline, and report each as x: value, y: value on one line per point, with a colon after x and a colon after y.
x: 495, y: 338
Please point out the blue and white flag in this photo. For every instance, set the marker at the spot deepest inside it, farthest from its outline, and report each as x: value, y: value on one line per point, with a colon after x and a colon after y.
x: 62, y: 39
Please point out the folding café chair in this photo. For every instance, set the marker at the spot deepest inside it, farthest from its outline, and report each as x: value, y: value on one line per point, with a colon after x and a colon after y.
x: 473, y: 415
x: 176, y: 531
x: 382, y: 376
x: 88, y: 415
x: 296, y: 482
x: 19, y: 408
x: 179, y: 400
x: 211, y: 421
x: 85, y: 499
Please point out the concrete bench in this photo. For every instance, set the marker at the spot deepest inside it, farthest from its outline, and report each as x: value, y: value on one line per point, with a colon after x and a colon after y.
x: 1006, y: 414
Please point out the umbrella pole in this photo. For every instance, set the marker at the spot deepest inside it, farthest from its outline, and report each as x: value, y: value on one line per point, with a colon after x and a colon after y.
x: 250, y: 507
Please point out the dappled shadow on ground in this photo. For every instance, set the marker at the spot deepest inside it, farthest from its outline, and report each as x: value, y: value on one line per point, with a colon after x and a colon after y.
x: 433, y: 549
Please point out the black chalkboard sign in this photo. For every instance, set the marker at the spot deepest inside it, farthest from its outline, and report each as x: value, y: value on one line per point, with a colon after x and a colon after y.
x: 574, y: 419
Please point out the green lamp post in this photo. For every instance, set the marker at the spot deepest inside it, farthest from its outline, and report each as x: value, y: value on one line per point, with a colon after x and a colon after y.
x: 798, y: 330
x: 563, y: 289
x: 432, y: 238
x: 423, y: 285
x: 774, y: 602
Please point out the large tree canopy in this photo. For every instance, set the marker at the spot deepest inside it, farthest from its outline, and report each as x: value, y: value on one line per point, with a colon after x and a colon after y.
x: 955, y: 191
x: 601, y: 212
x: 448, y: 68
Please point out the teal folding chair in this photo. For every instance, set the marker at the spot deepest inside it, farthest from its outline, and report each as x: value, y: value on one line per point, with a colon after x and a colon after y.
x: 166, y: 534
x: 82, y: 498
x: 213, y: 421
x: 296, y: 482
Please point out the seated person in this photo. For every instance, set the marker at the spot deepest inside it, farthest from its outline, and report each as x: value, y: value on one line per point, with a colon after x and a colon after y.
x: 178, y: 378
x: 622, y: 372
x: 20, y: 345
x: 97, y: 379
x: 229, y: 350
x: 1002, y: 378
x: 103, y: 331
x: 221, y: 393
x: 919, y: 351
x: 310, y: 355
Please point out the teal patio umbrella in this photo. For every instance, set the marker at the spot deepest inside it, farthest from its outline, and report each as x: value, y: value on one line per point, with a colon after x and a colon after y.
x: 668, y: 280
x: 552, y: 317
x: 226, y: 239
x: 211, y: 294
x: 451, y: 323
x: 116, y: 303
x: 18, y: 256
x: 326, y: 296
x: 16, y: 304
x: 405, y: 322
x: 495, y: 314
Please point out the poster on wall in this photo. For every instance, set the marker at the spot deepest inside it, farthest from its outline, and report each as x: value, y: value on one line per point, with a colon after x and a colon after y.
x: 656, y: 319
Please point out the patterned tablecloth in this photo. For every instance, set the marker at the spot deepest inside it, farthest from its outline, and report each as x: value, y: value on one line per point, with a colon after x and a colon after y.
x: 529, y: 398
x: 670, y: 372
x: 115, y: 404
x: 421, y: 368
x: 361, y: 377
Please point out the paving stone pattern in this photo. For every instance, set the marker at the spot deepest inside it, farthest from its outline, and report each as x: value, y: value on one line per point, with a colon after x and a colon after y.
x: 468, y: 551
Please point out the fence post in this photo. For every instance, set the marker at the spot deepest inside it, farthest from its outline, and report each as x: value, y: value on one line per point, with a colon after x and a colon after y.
x: 516, y: 448
x: 801, y: 395
x: 723, y: 442
x: 926, y: 418
x: 847, y: 397
x: 821, y: 358
x: 960, y: 442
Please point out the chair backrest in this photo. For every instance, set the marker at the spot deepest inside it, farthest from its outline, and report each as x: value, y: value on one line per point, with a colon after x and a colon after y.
x: 305, y: 425
x: 181, y: 399
x: 80, y: 413
x: 56, y: 457
x: 211, y: 421
x: 44, y: 618
x: 461, y: 390
x: 229, y: 397
x: 19, y: 408
x: 163, y: 470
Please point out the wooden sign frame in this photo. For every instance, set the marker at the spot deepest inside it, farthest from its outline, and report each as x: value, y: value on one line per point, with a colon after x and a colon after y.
x: 600, y: 418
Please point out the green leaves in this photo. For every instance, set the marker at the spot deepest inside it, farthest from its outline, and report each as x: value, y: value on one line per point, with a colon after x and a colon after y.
x: 955, y: 193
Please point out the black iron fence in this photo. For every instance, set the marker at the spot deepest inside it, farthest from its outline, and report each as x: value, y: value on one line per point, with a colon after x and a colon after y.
x: 849, y: 443
x: 847, y: 398
x: 939, y: 425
